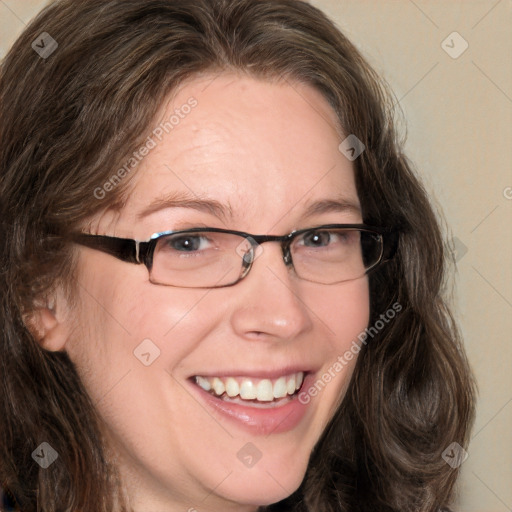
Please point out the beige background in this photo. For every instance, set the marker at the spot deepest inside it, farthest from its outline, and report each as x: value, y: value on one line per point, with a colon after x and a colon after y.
x: 459, y: 121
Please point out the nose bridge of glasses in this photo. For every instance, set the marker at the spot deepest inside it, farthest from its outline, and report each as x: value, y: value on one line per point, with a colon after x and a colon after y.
x: 256, y: 243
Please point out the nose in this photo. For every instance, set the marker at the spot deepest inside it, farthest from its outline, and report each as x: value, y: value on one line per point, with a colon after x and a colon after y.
x: 268, y: 301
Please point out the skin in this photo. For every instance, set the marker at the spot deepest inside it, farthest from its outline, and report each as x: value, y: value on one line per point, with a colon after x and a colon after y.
x: 266, y: 150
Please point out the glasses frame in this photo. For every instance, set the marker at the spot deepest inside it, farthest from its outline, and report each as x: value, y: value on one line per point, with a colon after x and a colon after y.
x: 142, y: 251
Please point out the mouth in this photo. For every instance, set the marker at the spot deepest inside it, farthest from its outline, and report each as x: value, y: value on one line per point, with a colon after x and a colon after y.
x: 252, y: 391
x: 262, y: 405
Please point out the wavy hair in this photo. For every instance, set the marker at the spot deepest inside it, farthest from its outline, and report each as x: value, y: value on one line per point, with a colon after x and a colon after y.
x: 71, y: 117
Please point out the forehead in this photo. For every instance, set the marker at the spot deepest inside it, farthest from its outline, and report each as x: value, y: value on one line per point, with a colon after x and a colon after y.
x: 264, y: 151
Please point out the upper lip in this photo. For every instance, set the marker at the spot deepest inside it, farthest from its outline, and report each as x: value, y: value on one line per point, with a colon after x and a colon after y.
x: 257, y: 374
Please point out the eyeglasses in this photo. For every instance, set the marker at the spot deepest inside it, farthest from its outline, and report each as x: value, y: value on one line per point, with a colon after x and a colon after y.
x: 215, y: 258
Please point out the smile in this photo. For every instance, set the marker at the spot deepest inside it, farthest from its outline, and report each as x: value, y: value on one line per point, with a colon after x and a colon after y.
x: 251, y: 389
x: 262, y: 404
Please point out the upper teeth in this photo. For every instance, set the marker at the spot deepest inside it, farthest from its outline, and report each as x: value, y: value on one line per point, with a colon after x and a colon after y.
x: 264, y: 390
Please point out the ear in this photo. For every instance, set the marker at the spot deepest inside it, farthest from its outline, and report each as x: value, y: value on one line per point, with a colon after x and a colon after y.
x: 49, y: 323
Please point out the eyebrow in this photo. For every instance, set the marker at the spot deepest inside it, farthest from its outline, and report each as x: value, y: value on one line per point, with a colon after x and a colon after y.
x: 223, y: 212
x: 184, y: 200
x: 332, y: 206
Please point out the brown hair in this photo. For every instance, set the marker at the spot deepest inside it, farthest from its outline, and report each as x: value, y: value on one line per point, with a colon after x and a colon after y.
x: 71, y: 117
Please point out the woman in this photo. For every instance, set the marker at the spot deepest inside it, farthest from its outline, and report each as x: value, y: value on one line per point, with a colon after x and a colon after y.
x: 221, y: 281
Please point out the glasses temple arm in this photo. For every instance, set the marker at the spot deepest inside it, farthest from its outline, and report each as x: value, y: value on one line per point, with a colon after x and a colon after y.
x: 122, y: 248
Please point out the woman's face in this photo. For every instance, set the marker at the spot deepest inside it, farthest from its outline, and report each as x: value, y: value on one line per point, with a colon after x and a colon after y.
x: 253, y: 157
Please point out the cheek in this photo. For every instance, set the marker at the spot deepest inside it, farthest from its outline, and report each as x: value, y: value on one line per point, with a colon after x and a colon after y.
x: 126, y: 322
x: 344, y: 310
x: 345, y: 315
x: 352, y: 320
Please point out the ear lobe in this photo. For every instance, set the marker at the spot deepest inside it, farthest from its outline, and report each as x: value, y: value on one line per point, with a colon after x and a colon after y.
x: 48, y: 329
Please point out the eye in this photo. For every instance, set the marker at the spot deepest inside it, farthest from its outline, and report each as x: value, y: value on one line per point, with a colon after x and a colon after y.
x: 188, y: 242
x: 318, y: 238
x: 339, y: 240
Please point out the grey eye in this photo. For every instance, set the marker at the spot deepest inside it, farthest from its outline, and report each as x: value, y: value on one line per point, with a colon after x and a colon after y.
x: 316, y: 238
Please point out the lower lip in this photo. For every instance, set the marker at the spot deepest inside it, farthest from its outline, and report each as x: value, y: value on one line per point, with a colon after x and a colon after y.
x: 259, y: 421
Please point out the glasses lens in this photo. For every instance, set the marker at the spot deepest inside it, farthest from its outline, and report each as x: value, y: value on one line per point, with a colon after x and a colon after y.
x: 205, y: 259
x: 197, y: 259
x: 330, y: 256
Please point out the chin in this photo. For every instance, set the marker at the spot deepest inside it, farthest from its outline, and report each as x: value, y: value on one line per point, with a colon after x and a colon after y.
x: 263, y: 487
